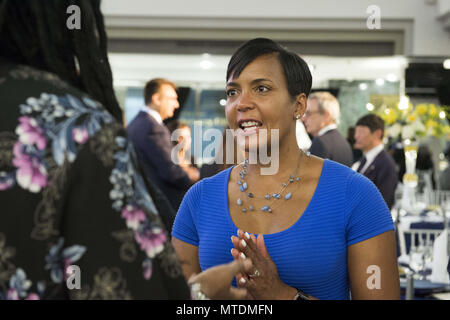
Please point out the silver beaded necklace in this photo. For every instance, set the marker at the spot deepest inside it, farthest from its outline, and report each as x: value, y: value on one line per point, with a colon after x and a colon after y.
x: 243, y: 187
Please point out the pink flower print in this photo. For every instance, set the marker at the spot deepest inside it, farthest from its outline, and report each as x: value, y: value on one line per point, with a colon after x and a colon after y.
x: 151, y: 241
x: 80, y: 135
x: 13, y: 294
x: 133, y: 216
x: 31, y: 173
x: 32, y: 296
x: 148, y: 268
x: 5, y: 185
x: 67, y: 270
x: 30, y: 133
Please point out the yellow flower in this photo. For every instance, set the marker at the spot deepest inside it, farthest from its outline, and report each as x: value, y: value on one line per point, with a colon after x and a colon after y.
x: 431, y: 124
x: 390, y: 116
x: 421, y: 109
x: 432, y: 110
x: 412, y: 118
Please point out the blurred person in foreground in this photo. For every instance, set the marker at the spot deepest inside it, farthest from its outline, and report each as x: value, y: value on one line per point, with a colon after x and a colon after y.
x: 313, y: 227
x: 321, y: 120
x: 153, y: 144
x: 376, y: 164
x: 71, y: 190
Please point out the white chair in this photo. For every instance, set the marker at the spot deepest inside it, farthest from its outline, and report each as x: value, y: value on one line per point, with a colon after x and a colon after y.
x: 419, y: 238
x: 439, y: 200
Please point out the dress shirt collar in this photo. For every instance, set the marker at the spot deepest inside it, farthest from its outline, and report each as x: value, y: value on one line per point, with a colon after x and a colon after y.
x: 326, y: 129
x: 371, y: 155
x: 153, y: 113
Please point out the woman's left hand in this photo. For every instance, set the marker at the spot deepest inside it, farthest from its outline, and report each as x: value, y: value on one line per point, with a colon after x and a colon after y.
x: 215, y: 282
x: 263, y: 282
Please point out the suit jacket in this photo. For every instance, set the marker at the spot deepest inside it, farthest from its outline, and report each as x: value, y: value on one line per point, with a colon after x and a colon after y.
x: 383, y: 173
x: 332, y: 145
x: 153, y: 145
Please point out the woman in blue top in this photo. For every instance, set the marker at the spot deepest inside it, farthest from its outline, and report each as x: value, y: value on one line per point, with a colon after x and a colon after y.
x: 323, y: 230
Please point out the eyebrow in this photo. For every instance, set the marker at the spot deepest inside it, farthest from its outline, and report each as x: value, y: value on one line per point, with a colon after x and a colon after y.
x: 255, y: 81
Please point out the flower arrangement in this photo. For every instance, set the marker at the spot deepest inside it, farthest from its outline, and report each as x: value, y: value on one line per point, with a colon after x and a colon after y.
x: 405, y: 121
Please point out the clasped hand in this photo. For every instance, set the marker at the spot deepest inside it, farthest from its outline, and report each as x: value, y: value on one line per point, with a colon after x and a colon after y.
x: 263, y: 282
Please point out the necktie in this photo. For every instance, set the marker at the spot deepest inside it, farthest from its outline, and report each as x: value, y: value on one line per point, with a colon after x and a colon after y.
x: 362, y: 163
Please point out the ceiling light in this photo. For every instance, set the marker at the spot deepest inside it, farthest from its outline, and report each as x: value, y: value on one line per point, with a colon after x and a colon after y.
x: 446, y: 64
x: 223, y: 102
x: 379, y: 82
x: 363, y: 86
x: 391, y: 77
x: 370, y: 107
x: 206, y: 64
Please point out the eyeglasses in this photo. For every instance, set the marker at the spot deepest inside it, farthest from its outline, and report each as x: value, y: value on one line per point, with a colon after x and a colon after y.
x: 310, y: 113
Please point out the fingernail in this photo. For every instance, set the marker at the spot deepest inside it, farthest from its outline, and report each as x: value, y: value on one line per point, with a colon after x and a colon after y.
x: 243, y: 255
x: 242, y: 281
x: 247, y: 235
x: 243, y: 243
x: 231, y: 250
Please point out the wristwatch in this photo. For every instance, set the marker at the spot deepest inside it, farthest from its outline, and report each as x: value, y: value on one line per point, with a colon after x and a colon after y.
x: 301, y: 296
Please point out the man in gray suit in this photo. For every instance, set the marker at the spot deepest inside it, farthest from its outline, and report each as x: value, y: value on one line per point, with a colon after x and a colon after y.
x: 321, y: 120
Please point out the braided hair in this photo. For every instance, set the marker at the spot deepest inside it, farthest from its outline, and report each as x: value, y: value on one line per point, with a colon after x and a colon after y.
x: 34, y: 32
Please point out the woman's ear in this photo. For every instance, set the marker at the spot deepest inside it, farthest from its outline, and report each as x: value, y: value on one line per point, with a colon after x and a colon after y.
x: 300, y: 106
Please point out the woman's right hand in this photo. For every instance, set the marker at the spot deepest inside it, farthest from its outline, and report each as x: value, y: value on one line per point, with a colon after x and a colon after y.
x: 263, y: 283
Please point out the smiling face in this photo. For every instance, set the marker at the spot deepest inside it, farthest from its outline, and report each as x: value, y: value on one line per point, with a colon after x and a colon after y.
x: 259, y: 99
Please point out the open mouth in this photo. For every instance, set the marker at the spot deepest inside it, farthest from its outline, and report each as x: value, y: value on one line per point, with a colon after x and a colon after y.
x: 249, y: 124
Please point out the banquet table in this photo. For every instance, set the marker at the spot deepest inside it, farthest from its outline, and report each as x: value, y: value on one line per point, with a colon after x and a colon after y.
x: 425, y: 287
x: 426, y: 220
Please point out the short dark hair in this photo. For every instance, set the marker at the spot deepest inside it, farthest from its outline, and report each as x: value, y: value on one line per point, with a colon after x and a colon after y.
x: 373, y: 122
x: 153, y: 86
x: 296, y: 70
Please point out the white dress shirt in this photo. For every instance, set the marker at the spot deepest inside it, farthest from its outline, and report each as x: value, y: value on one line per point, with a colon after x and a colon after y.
x: 153, y: 113
x: 370, y: 156
x: 326, y: 129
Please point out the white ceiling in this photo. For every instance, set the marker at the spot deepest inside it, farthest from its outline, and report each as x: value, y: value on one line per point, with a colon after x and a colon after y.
x: 134, y: 70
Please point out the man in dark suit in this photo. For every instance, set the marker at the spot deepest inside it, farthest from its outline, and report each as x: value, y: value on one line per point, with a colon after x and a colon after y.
x: 376, y: 164
x: 321, y: 119
x: 152, y: 141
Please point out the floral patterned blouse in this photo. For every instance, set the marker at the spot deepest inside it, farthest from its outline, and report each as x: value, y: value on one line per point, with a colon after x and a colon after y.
x: 77, y: 220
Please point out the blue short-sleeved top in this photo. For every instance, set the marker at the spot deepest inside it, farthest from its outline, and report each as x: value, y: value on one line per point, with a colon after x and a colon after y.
x: 311, y: 255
